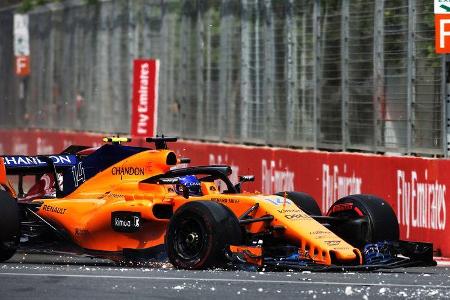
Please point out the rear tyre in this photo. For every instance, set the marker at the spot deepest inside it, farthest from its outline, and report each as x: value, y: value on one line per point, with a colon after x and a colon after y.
x: 381, y: 225
x: 9, y: 226
x: 303, y: 201
x: 199, y: 233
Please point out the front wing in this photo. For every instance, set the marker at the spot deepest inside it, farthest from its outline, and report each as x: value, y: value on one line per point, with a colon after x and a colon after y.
x: 382, y: 255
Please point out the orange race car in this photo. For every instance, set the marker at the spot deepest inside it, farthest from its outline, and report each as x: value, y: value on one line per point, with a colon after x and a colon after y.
x: 127, y: 203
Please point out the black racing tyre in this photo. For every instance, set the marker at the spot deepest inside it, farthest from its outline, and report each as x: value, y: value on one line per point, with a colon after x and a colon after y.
x: 303, y: 201
x: 198, y: 234
x: 9, y: 226
x: 382, y: 222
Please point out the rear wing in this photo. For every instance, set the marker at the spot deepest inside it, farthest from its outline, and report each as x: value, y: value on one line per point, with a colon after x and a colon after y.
x: 35, y: 165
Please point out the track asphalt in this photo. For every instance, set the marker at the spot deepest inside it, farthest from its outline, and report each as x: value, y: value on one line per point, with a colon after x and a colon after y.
x: 37, y: 276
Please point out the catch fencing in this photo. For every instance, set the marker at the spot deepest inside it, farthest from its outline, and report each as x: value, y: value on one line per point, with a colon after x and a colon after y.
x: 319, y: 74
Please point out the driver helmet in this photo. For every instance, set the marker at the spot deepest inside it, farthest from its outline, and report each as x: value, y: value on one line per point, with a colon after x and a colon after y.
x: 192, y: 183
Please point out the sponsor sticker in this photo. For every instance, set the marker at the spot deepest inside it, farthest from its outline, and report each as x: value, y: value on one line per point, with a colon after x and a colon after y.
x: 54, y: 209
x: 276, y: 200
x: 332, y: 243
x: 145, y: 97
x: 442, y: 6
x: 442, y: 33
x: 220, y: 200
x: 421, y: 201
x: 34, y: 161
x: 297, y: 216
x: 129, y: 171
x: 442, y: 26
x: 22, y: 45
x: 125, y: 221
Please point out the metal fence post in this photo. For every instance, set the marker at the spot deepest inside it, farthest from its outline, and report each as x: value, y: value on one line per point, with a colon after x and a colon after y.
x: 304, y: 124
x: 411, y: 62
x: 208, y: 64
x: 223, y: 71
x: 292, y: 97
x: 378, y: 72
x: 269, y: 67
x: 257, y: 95
x: 200, y: 34
x: 183, y: 91
x: 132, y: 44
x: 344, y: 71
x: 163, y: 95
x: 245, y: 70
x: 317, y: 74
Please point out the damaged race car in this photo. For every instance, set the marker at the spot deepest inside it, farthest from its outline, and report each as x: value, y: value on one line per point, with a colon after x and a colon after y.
x: 131, y: 203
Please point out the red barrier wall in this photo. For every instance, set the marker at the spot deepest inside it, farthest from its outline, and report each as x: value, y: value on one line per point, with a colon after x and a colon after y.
x: 415, y: 187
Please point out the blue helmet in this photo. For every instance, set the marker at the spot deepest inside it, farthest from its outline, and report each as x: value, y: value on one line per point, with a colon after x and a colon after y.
x: 192, y: 183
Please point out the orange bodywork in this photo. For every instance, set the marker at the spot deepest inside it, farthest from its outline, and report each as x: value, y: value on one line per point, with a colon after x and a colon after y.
x: 4, y: 182
x: 3, y: 179
x: 85, y: 214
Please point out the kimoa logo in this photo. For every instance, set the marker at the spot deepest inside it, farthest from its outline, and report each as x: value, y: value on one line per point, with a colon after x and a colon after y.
x: 118, y: 222
x: 122, y: 223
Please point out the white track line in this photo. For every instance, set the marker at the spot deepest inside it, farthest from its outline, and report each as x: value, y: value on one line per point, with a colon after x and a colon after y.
x: 229, y: 280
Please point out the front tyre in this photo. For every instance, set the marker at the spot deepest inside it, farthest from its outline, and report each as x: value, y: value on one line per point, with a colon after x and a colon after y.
x: 9, y: 226
x: 381, y: 225
x: 199, y: 233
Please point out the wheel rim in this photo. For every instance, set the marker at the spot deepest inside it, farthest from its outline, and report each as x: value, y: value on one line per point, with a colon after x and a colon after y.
x: 190, y: 239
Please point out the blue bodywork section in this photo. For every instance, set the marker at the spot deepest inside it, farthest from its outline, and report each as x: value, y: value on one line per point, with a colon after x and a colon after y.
x: 379, y: 253
x: 106, y: 156
x: 101, y: 159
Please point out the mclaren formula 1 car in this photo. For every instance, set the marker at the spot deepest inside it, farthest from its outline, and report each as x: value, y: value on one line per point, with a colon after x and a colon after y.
x: 127, y: 203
